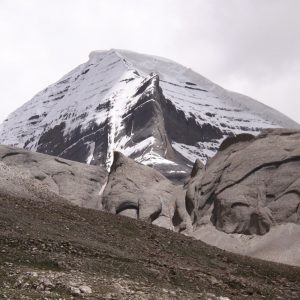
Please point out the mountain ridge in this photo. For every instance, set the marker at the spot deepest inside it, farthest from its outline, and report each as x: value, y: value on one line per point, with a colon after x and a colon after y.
x: 152, y: 109
x: 286, y: 122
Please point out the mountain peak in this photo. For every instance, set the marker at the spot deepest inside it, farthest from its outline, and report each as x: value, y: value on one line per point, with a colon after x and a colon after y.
x: 149, y: 108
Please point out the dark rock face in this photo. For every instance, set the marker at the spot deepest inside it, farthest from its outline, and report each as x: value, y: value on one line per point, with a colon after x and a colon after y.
x: 250, y: 185
x: 147, y: 119
x: 189, y: 132
x: 143, y: 193
x: 29, y: 174
x: 75, y: 146
x: 52, y: 141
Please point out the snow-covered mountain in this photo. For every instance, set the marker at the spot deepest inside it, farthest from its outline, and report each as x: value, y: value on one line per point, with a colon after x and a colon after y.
x: 149, y: 108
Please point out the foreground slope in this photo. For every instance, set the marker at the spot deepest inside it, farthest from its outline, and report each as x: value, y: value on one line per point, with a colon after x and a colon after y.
x: 54, y: 250
x: 151, y: 109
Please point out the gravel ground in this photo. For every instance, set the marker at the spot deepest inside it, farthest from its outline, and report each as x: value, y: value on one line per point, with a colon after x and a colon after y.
x: 53, y: 250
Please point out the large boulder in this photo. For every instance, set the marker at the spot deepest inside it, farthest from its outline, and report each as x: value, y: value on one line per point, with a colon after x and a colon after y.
x: 138, y: 191
x: 32, y: 175
x: 191, y: 186
x: 251, y: 184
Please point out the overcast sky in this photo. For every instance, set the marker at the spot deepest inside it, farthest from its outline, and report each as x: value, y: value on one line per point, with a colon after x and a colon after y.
x: 249, y: 46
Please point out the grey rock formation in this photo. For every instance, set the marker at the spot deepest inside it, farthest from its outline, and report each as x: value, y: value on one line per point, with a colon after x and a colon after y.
x: 191, y: 187
x: 143, y: 193
x: 251, y: 184
x: 30, y: 174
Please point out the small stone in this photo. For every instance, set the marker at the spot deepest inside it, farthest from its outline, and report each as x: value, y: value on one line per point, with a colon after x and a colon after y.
x: 214, y: 281
x: 33, y: 274
x: 75, y: 291
x: 46, y: 282
x: 110, y: 296
x: 85, y: 289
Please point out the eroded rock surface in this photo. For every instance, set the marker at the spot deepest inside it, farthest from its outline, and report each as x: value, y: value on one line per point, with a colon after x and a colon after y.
x: 143, y: 193
x: 251, y: 184
x: 32, y: 175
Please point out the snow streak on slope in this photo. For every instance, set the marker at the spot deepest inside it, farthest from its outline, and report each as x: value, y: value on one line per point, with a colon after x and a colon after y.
x: 101, y: 106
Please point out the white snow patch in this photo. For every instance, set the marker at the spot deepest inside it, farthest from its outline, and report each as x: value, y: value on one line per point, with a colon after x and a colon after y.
x: 189, y: 152
x: 153, y: 158
x: 202, y: 150
x: 172, y: 172
x: 91, y: 154
x: 127, y: 151
x: 102, y: 189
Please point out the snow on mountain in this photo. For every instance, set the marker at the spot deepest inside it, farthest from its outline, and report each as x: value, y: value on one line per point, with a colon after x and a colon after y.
x: 152, y: 109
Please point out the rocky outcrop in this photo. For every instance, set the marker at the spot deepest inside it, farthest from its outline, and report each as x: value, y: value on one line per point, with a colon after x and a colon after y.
x: 190, y: 187
x: 250, y: 185
x: 32, y: 175
x: 143, y: 193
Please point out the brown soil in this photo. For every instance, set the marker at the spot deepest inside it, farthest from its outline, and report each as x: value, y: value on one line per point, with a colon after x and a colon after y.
x: 49, y: 249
